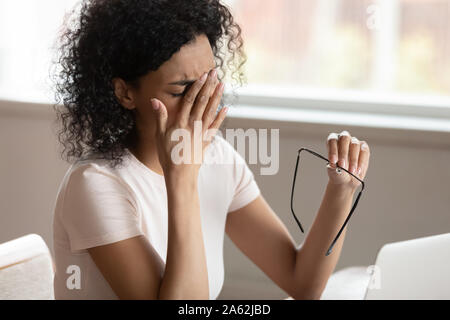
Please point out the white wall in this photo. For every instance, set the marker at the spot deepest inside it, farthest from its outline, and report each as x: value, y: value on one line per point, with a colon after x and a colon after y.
x: 30, y: 170
x: 407, y: 192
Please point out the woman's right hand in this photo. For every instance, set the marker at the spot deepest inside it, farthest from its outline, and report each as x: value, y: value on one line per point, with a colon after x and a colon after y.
x: 199, y: 107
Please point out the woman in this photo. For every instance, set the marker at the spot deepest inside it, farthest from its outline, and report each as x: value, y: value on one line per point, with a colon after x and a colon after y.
x: 131, y: 222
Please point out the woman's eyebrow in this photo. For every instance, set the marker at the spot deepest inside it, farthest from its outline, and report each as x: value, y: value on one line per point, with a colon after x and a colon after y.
x: 182, y: 83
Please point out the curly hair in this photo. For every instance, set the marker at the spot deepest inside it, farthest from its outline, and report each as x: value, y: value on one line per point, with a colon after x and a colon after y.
x: 104, y: 39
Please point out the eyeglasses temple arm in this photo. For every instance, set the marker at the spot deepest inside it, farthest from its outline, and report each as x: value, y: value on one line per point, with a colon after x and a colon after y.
x: 343, y: 226
x: 292, y: 193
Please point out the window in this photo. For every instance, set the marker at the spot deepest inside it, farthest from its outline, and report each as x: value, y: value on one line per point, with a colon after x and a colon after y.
x: 393, y: 50
x: 306, y: 52
x: 28, y: 29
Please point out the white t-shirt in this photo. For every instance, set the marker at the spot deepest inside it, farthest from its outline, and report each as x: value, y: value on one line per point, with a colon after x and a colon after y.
x: 98, y: 205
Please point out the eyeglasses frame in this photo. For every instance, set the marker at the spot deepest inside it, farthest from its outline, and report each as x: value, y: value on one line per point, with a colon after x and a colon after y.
x: 352, y: 209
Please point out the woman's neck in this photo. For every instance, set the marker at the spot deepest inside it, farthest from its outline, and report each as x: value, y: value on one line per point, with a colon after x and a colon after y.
x: 146, y: 152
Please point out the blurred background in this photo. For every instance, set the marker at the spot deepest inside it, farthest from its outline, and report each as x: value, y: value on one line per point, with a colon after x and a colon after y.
x: 379, y: 69
x: 395, y: 46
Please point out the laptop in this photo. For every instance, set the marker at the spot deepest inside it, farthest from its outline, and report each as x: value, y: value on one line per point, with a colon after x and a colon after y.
x: 413, y: 269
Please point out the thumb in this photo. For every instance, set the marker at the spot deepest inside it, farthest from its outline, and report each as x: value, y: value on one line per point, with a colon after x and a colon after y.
x: 160, y: 111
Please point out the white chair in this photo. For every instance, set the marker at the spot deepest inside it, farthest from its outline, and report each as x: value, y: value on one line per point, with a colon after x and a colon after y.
x: 26, y: 269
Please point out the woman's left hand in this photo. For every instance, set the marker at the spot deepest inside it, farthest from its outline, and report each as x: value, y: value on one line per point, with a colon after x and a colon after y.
x: 350, y: 154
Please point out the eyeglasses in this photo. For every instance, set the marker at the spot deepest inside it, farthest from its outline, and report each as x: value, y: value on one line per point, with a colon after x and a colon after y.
x: 337, y: 168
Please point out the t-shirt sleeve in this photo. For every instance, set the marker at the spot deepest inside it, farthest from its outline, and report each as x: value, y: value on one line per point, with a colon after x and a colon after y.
x: 98, y: 209
x: 245, y: 187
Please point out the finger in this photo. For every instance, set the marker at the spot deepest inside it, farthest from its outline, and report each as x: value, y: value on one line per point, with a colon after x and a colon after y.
x: 213, y: 104
x: 343, y: 148
x: 363, y: 161
x: 189, y: 99
x: 332, y: 144
x: 354, y: 155
x: 161, y: 115
x: 219, y: 118
x: 203, y: 96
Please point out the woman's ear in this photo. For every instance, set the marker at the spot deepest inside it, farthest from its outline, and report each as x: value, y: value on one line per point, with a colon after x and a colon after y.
x: 123, y: 93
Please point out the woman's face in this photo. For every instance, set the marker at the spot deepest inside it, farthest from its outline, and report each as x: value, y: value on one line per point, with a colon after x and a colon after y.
x: 169, y: 82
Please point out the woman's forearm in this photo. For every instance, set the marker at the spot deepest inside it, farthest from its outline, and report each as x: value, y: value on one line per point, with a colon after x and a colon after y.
x: 186, y: 275
x: 313, y: 268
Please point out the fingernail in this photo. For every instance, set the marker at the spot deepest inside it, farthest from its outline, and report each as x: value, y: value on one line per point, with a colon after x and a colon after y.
x: 155, y: 104
x: 332, y: 136
x: 225, y: 110
x: 364, y: 146
x: 355, y: 140
x: 222, y: 87
x: 204, y: 77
